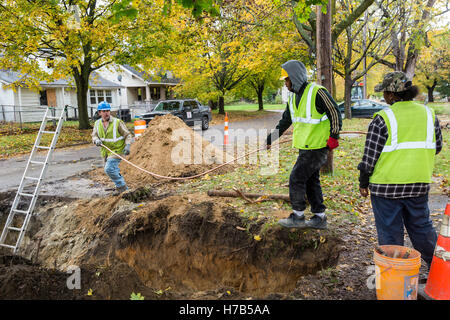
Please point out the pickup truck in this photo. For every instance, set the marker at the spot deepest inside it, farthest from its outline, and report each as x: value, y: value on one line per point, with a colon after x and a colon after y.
x: 189, y: 110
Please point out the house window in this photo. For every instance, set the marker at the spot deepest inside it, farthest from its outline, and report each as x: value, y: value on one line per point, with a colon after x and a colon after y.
x: 155, y: 93
x: 97, y: 96
x: 43, y: 98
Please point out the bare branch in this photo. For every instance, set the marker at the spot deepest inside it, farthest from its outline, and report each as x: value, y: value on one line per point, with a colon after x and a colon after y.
x: 350, y: 19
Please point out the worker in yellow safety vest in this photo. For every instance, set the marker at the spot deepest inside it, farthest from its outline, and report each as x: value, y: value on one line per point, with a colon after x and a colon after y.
x: 397, y: 165
x: 114, y: 134
x: 317, y: 121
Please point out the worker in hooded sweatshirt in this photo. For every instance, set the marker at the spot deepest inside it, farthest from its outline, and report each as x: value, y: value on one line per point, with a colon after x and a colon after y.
x: 114, y: 134
x: 317, y: 121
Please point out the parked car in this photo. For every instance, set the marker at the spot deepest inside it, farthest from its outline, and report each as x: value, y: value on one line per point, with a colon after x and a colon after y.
x: 189, y: 110
x: 363, y: 108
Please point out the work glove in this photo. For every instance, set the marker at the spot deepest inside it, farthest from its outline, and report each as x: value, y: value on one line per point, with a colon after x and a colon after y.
x: 98, y: 142
x: 126, y: 150
x: 332, y: 143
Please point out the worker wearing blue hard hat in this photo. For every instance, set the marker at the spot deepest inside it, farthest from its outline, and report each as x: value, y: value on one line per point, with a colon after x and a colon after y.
x: 114, y: 134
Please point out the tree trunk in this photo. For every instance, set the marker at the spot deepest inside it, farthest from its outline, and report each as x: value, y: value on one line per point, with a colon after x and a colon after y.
x: 221, y: 105
x: 82, y: 83
x: 324, y: 53
x: 260, y: 98
x: 212, y: 104
x: 324, y: 63
x: 431, y: 90
x: 348, y: 95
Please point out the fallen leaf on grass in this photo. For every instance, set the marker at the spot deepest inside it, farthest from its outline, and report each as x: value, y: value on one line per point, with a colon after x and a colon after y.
x: 257, y: 238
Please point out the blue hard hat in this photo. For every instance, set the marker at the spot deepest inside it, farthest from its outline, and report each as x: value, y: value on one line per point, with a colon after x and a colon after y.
x: 103, y: 106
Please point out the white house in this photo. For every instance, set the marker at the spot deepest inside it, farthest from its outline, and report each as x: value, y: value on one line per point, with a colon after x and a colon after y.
x: 122, y: 86
x: 139, y: 88
x: 21, y: 104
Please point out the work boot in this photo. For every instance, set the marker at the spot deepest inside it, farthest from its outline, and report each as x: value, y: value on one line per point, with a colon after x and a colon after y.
x: 293, y: 221
x: 119, y: 190
x: 317, y: 222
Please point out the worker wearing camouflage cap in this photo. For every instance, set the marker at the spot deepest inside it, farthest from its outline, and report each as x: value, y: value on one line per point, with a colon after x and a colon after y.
x: 317, y: 121
x: 397, y: 165
x: 114, y: 134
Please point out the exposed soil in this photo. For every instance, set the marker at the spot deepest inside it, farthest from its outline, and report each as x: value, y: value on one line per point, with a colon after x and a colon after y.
x: 22, y: 279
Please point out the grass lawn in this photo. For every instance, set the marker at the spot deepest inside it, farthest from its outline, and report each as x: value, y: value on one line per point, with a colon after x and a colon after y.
x: 440, y: 108
x: 15, y: 140
x: 238, y: 115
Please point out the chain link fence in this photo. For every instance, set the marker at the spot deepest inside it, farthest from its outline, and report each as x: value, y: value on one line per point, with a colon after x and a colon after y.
x: 26, y: 114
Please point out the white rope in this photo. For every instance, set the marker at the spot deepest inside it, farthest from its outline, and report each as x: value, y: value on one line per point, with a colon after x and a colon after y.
x: 208, y: 171
x: 191, y: 177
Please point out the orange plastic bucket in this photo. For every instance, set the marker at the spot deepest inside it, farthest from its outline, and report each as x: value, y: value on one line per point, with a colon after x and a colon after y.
x: 397, y: 278
x: 139, y: 127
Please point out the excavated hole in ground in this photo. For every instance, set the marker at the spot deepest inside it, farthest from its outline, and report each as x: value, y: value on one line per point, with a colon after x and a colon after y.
x: 187, y: 243
x: 193, y: 244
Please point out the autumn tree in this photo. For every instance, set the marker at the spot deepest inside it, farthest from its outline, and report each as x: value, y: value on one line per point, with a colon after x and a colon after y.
x: 434, y: 62
x: 413, y: 18
x: 361, y: 40
x: 231, y: 47
x: 277, y: 44
x: 305, y: 20
x: 216, y: 49
x: 80, y: 36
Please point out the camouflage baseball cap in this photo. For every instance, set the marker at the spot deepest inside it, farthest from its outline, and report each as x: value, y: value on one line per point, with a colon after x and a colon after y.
x: 394, y: 82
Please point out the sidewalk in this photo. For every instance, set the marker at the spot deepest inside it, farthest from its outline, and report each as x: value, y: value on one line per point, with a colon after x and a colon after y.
x: 64, y: 163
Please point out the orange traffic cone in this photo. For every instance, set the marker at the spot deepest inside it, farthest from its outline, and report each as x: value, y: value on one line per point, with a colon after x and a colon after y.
x: 225, y: 131
x: 438, y: 283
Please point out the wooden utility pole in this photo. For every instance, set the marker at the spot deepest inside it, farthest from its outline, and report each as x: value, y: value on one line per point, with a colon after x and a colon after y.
x: 324, y: 62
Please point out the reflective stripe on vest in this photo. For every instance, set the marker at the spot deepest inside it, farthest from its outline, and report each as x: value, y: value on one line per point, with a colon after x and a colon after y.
x: 428, y: 144
x: 114, y: 139
x: 308, y: 109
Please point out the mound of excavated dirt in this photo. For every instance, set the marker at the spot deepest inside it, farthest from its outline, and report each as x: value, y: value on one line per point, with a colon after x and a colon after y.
x: 168, y: 147
x: 182, y: 244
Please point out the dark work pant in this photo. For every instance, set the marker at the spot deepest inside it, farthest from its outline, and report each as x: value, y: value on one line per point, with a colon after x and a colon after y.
x: 305, y: 179
x: 413, y: 213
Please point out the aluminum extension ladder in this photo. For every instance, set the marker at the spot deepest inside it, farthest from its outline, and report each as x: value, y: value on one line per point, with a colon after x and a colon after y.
x: 20, y: 195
